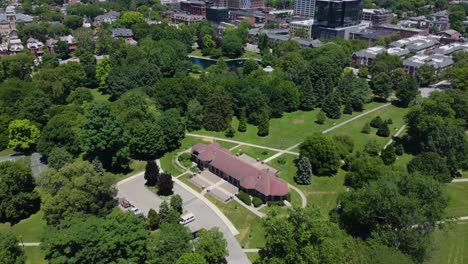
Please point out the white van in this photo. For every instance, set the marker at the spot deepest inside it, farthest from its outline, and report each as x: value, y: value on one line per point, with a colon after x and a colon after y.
x: 186, y: 218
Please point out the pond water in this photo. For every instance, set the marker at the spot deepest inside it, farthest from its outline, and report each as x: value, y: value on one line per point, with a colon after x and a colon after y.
x: 205, y: 63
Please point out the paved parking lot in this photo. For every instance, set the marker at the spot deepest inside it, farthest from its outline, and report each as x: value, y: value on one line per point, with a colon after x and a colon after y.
x: 136, y: 193
x: 215, y: 186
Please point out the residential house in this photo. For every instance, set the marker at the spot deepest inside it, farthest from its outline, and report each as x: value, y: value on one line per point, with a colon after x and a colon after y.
x: 107, y: 18
x: 123, y: 33
x: 440, y: 63
x: 365, y: 57
x: 416, y: 44
x: 35, y: 46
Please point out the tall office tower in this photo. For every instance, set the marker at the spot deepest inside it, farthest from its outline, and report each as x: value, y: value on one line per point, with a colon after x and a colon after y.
x: 336, y: 18
x: 305, y: 8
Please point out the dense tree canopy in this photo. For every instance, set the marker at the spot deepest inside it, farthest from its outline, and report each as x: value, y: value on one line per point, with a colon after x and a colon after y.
x: 10, y: 251
x: 18, y: 199
x: 75, y: 188
x: 322, y: 152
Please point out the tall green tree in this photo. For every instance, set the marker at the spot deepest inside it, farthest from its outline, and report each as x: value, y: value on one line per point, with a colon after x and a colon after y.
x: 322, y: 153
x: 382, y: 85
x: 176, y: 203
x: 264, y: 125
x: 218, y: 110
x: 104, y: 137
x: 211, y: 245
x: 308, y: 99
x: 304, y: 171
x: 169, y: 244
x: 388, y: 155
x: 303, y: 236
x: 331, y: 106
x: 75, y: 188
x: 10, y: 251
x: 151, y: 173
x: 407, y: 91
x: 18, y: 199
x: 97, y: 240
x: 165, y: 184
x: 153, y: 219
x: 194, y: 115
x: 425, y: 74
x: 242, y: 121
x: 399, y: 210
x: 430, y: 164
x: 23, y: 135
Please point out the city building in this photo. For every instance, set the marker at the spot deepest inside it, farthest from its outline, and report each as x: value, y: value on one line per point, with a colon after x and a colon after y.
x: 377, y: 16
x: 302, y: 29
x: 365, y: 57
x: 371, y: 34
x: 108, y: 18
x: 244, y: 4
x: 404, y: 32
x: 450, y: 34
x: 186, y: 18
x: 193, y: 7
x: 440, y: 62
x: 416, y: 44
x: 258, y: 181
x: 217, y: 14
x: 451, y: 48
x: 336, y: 18
x: 9, y: 18
x: 305, y: 8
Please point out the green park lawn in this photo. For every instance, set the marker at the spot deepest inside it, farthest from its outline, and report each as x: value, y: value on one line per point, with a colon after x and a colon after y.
x: 27, y: 230
x: 450, y: 245
x: 458, y: 195
x: 354, y: 128
x: 8, y: 151
x: 99, y: 96
x: 253, y: 256
x: 251, y: 234
x: 322, y: 192
x: 34, y: 255
x: 288, y: 130
x: 255, y: 153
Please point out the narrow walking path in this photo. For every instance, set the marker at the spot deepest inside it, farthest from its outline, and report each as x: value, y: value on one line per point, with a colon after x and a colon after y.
x: 402, y: 128
x: 241, y: 143
x: 251, y: 250
x: 29, y: 244
x: 354, y: 118
x: 460, y: 180
x: 303, y: 197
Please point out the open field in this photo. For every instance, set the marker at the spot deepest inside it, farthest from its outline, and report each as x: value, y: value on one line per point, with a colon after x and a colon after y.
x: 34, y: 255
x: 28, y: 230
x: 458, y: 203
x: 450, y: 245
x: 98, y: 96
x: 322, y: 192
x: 251, y: 234
x: 253, y: 256
x: 354, y: 128
x: 288, y: 130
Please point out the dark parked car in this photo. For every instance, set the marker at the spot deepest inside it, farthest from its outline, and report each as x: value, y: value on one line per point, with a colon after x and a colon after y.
x: 125, y: 204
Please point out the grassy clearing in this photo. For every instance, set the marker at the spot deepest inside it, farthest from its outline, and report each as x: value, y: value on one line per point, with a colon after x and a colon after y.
x: 253, y: 256
x: 251, y: 233
x: 458, y: 203
x: 28, y: 230
x: 354, y: 128
x: 286, y: 131
x: 246, y: 55
x: 98, y: 96
x: 168, y: 161
x: 34, y: 255
x: 6, y: 152
x: 322, y: 192
x: 450, y: 245
x: 255, y: 153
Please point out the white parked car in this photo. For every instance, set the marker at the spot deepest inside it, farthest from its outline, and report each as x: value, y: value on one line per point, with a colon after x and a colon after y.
x: 135, y: 211
x: 186, y: 218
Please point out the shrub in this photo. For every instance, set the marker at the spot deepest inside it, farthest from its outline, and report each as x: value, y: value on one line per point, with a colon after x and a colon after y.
x: 185, y: 159
x: 399, y: 150
x: 383, y: 130
x: 281, y: 160
x: 244, y: 197
x: 366, y: 129
x: 275, y: 203
x: 376, y: 122
x: 389, y: 121
x: 257, y: 202
x: 230, y: 132
x: 321, y: 118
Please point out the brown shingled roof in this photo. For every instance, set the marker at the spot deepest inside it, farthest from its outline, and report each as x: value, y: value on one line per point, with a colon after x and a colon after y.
x: 250, y: 177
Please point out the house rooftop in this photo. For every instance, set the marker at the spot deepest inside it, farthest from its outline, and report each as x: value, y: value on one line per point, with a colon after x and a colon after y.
x: 437, y: 60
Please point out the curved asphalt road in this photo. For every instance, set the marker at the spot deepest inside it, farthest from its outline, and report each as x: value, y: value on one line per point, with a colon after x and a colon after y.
x: 134, y: 190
